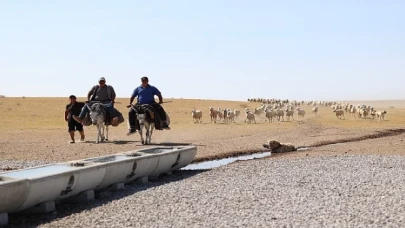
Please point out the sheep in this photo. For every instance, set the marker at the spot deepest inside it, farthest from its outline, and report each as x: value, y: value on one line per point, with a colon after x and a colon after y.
x: 279, y: 114
x: 259, y: 110
x: 300, y: 112
x: 225, y: 115
x: 213, y: 114
x: 363, y: 113
x: 237, y: 113
x: 339, y: 113
x: 270, y: 114
x: 197, y: 116
x: 289, y: 113
x: 231, y: 116
x: 220, y: 114
x: 372, y: 114
x: 353, y: 111
x: 315, y: 110
x: 250, y: 116
x: 380, y: 114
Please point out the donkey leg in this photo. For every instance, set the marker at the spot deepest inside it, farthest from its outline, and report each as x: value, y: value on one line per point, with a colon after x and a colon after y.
x: 150, y: 133
x: 98, y: 134
x: 141, y: 134
x: 106, y: 133
x: 147, y: 141
x: 102, y: 133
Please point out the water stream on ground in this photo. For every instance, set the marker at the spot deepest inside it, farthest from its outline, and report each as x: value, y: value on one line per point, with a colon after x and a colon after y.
x: 224, y: 161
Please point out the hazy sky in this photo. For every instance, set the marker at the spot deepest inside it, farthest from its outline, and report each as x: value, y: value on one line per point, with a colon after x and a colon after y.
x: 211, y: 49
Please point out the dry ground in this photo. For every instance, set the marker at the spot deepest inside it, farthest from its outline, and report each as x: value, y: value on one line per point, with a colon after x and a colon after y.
x: 34, y: 129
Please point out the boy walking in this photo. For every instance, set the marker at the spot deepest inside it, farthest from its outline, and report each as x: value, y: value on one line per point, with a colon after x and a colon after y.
x: 74, y: 108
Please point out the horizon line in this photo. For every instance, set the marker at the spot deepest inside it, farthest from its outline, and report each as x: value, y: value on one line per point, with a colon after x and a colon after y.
x: 202, y: 99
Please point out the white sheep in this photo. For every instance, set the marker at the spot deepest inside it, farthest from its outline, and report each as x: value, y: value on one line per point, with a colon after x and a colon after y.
x: 197, y: 116
x: 381, y: 114
x: 237, y: 113
x: 230, y: 116
x: 220, y: 114
x: 250, y: 116
x: 363, y: 113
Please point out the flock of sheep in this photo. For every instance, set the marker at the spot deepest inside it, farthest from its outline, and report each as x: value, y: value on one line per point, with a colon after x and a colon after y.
x: 281, y: 110
x: 339, y: 108
x: 276, y: 110
x: 361, y: 111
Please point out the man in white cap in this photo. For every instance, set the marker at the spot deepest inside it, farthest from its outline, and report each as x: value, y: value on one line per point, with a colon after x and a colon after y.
x: 101, y: 93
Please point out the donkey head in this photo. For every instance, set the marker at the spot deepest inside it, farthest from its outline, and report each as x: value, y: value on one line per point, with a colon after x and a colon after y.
x: 96, y: 113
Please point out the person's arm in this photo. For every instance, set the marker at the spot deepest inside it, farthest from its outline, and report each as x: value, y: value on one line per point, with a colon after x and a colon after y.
x: 91, y: 91
x: 66, y: 113
x: 134, y: 94
x: 113, y: 95
x: 159, y: 95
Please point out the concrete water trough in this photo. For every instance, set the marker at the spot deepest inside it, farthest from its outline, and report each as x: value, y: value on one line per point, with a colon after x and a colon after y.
x: 36, y: 189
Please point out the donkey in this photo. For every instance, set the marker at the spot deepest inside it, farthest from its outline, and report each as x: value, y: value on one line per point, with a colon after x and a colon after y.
x: 97, y: 113
x: 145, y: 121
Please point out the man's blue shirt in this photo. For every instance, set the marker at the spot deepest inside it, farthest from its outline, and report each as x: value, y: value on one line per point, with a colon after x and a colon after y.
x: 146, y: 95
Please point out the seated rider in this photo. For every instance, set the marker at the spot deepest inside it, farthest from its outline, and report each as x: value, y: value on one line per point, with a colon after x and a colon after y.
x: 104, y: 94
x: 146, y: 95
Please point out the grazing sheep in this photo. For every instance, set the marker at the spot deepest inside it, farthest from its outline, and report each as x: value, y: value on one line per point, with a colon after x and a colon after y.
x: 197, y: 116
x: 381, y: 114
x: 339, y: 113
x: 213, y: 114
x: 277, y: 147
x: 300, y: 112
x: 250, y: 117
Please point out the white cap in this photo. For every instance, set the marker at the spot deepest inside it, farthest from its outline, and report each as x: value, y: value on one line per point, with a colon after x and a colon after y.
x: 101, y: 79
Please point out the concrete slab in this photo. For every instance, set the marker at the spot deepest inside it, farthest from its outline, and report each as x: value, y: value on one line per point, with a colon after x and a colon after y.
x: 83, y: 197
x: 142, y: 180
x: 41, y: 208
x: 116, y: 187
x: 3, y: 219
x: 153, y: 178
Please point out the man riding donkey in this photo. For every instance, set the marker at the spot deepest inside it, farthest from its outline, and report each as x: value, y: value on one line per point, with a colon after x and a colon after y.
x: 104, y: 94
x: 145, y: 93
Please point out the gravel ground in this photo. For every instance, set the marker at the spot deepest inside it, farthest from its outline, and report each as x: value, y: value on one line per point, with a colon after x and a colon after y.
x: 17, y: 164
x: 331, y: 191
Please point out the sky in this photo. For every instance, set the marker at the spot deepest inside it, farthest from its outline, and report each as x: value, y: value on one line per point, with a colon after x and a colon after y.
x: 211, y: 49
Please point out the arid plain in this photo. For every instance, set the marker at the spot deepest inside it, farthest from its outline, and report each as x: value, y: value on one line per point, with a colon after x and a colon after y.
x: 34, y: 129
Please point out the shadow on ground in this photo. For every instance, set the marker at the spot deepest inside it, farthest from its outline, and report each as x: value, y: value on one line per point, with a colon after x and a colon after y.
x: 112, y: 141
x: 102, y: 197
